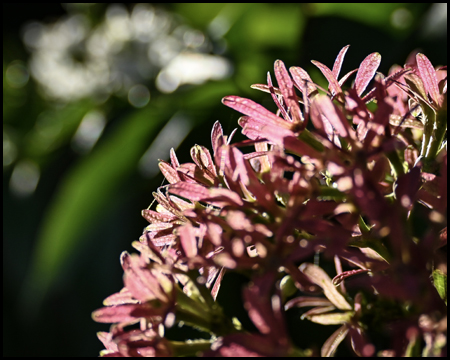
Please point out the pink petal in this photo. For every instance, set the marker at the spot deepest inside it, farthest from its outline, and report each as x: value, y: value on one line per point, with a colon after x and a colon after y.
x: 216, y: 136
x: 256, y: 111
x: 153, y: 216
x: 195, y: 192
x: 188, y: 240
x: 162, y: 240
x: 346, y: 274
x: 301, y: 77
x: 338, y: 62
x: 428, y: 76
x: 222, y: 197
x: 256, y: 130
x: 141, y: 282
x: 203, y: 159
x: 191, y: 191
x: 346, y: 76
x: 287, y: 89
x: 326, y: 108
x: 366, y: 72
x: 214, y: 232
x: 106, y: 339
x: 173, y: 159
x: 218, y: 281
x: 169, y: 172
x: 333, y: 84
x: 125, y: 313
x: 275, y: 97
x: 159, y: 226
x: 122, y: 297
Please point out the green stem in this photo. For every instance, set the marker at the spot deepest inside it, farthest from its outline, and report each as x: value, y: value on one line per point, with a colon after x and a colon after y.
x: 190, y: 305
x: 200, y: 315
x: 201, y: 322
x: 190, y: 347
x: 396, y: 163
x: 429, y: 121
x: 436, y: 140
x: 309, y: 139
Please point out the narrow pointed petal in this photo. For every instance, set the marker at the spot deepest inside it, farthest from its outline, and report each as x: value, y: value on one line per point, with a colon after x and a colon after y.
x: 324, y: 106
x: 346, y: 76
x: 217, y: 283
x: 122, y: 297
x: 305, y: 301
x: 338, y: 62
x: 203, y: 159
x: 188, y: 240
x: 222, y: 197
x: 126, y: 313
x: 275, y: 97
x: 428, y: 75
x: 108, y: 343
x: 366, y: 72
x: 333, y: 84
x: 320, y: 277
x: 330, y: 319
x: 195, y: 192
x: 169, y: 172
x: 154, y: 216
x: 256, y: 111
x: 346, y: 274
x: 173, y: 159
x: 301, y: 77
x: 142, y: 283
x: 191, y: 191
x: 159, y: 226
x: 330, y: 346
x: 287, y: 89
x: 256, y: 130
x: 161, y: 240
x: 216, y: 136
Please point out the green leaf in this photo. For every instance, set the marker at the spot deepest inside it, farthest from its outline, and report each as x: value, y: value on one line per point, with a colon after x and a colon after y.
x: 331, y: 319
x: 440, y: 283
x: 84, y: 193
x: 54, y: 129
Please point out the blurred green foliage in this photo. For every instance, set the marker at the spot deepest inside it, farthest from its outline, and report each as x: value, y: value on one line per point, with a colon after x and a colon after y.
x: 63, y: 236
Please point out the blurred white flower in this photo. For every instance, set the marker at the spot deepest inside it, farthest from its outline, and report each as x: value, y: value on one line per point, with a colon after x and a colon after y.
x: 71, y: 60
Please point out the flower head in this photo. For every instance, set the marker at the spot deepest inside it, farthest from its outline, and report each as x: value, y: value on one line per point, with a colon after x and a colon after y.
x: 329, y: 175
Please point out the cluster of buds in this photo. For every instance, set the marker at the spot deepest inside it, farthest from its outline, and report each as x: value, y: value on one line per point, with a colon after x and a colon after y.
x: 356, y: 175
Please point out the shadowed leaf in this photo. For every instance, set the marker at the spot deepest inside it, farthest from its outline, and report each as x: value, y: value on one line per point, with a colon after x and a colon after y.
x: 330, y: 346
x: 320, y: 277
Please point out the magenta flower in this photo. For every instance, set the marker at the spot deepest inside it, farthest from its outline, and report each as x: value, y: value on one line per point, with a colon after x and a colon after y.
x: 330, y: 175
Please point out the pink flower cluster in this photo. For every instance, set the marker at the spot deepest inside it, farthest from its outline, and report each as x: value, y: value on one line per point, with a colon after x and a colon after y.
x: 345, y: 172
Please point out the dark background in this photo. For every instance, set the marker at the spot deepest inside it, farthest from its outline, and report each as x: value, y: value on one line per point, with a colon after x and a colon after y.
x: 62, y: 241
